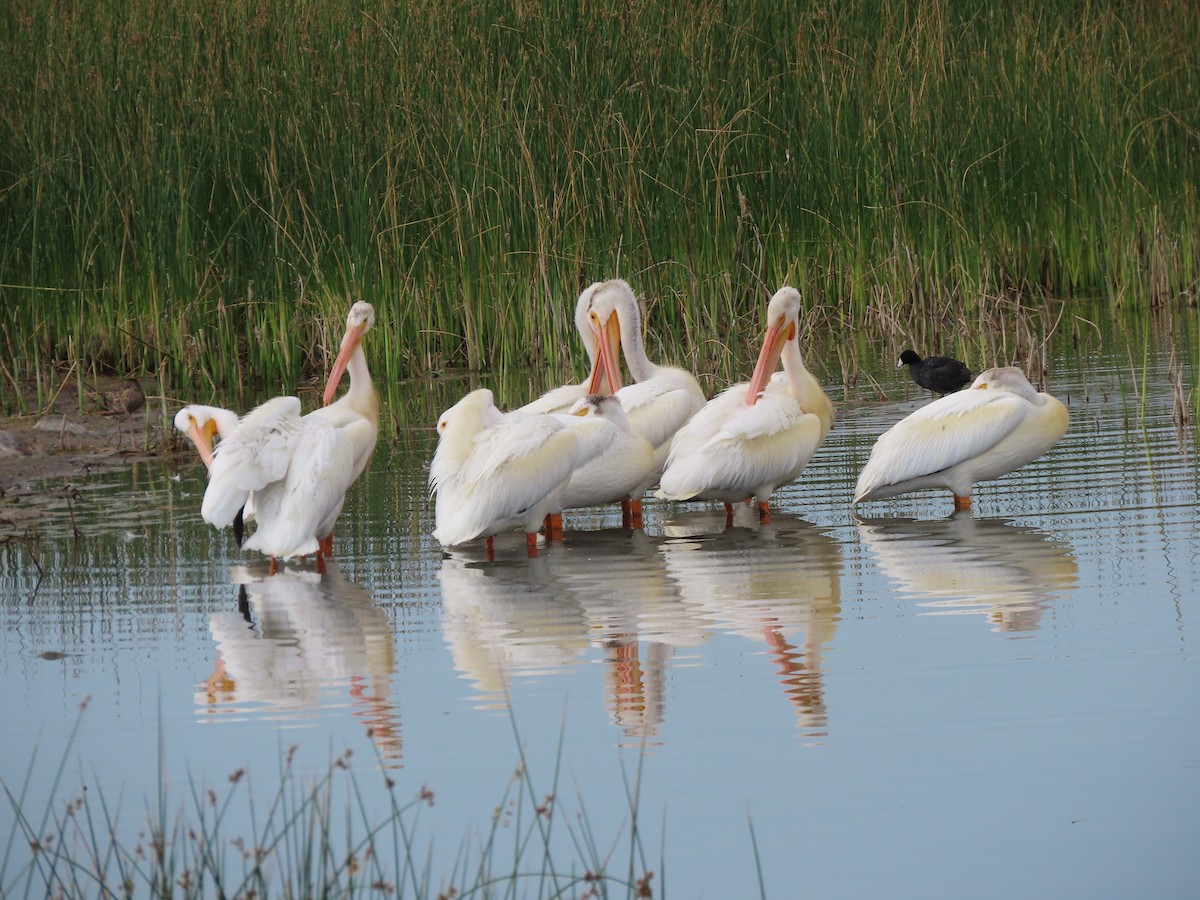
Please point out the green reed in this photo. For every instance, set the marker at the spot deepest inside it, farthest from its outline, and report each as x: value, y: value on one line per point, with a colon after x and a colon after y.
x: 202, y: 187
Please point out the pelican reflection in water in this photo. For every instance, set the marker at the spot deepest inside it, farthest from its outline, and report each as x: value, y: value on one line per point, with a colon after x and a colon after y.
x: 602, y: 589
x: 766, y: 582
x: 293, y: 640
x: 503, y: 618
x: 635, y: 618
x: 964, y: 565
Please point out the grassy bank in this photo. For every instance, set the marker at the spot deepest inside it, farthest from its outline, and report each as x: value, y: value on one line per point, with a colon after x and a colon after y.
x: 194, y: 189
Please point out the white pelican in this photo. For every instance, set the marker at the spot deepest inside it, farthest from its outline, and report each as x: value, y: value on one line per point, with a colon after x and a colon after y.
x: 757, y: 435
x: 360, y: 403
x: 493, y: 471
x: 204, y: 423
x: 201, y: 424
x: 662, y: 398
x: 299, y: 467
x: 975, y: 435
x: 620, y: 470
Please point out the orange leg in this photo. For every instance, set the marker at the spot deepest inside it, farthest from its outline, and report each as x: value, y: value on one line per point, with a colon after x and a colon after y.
x: 274, y: 567
x: 556, y: 526
x: 728, y: 515
x: 531, y: 544
x: 490, y: 546
x: 961, y: 503
x: 631, y: 513
x: 320, y: 564
x: 764, y: 512
x: 325, y: 545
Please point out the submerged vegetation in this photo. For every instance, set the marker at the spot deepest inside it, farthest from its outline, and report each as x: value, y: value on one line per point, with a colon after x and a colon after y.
x: 191, y: 191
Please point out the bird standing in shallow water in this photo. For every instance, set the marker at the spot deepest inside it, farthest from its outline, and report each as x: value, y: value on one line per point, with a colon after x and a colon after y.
x: 939, y: 374
x: 619, y: 472
x: 757, y: 435
x: 493, y: 471
x: 298, y: 468
x: 967, y: 437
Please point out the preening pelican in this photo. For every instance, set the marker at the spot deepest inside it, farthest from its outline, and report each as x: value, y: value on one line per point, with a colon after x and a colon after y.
x: 662, y: 398
x: 298, y: 468
x: 201, y: 423
x: 494, y: 471
x: 620, y: 470
x: 204, y: 423
x: 994, y: 428
x: 757, y: 435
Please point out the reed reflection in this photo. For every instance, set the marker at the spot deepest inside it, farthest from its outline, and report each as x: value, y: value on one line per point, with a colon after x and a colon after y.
x: 765, y: 582
x: 969, y: 565
x: 295, y: 640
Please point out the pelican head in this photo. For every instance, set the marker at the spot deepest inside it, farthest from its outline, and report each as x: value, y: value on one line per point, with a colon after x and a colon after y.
x: 202, y: 423
x: 475, y: 411
x: 783, y: 324
x: 1010, y: 379
x: 358, y: 323
x: 609, y: 299
x: 602, y: 406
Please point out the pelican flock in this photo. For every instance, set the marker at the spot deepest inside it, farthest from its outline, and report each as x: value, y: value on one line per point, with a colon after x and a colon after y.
x: 606, y: 439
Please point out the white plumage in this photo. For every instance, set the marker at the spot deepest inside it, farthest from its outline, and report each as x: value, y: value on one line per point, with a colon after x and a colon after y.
x: 620, y: 463
x: 494, y: 471
x: 757, y: 435
x: 662, y: 398
x: 998, y: 425
x: 256, y: 453
x: 360, y: 403
x: 298, y: 468
x: 201, y: 423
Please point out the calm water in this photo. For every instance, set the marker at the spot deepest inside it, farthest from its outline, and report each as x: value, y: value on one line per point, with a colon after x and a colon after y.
x: 995, y: 704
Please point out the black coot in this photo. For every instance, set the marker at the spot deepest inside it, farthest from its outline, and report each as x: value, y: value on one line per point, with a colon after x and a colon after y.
x: 940, y: 374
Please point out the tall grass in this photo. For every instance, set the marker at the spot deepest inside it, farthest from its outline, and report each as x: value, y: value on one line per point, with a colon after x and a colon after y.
x: 200, y: 186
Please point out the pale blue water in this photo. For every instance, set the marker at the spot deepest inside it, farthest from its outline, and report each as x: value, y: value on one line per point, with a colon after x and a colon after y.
x: 996, y: 704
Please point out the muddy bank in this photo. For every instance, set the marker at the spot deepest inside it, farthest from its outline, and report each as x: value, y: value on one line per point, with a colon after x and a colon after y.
x: 40, y: 454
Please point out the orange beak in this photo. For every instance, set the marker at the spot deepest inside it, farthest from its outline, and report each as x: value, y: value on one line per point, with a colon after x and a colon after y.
x: 202, y: 438
x: 606, y: 371
x: 350, y: 342
x: 768, y: 359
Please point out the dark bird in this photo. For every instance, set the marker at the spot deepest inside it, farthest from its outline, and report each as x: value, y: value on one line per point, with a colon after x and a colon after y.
x: 939, y: 374
x: 124, y: 400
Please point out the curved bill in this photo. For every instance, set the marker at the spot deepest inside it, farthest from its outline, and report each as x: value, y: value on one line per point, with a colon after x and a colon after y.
x: 350, y: 343
x: 768, y: 358
x: 606, y: 370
